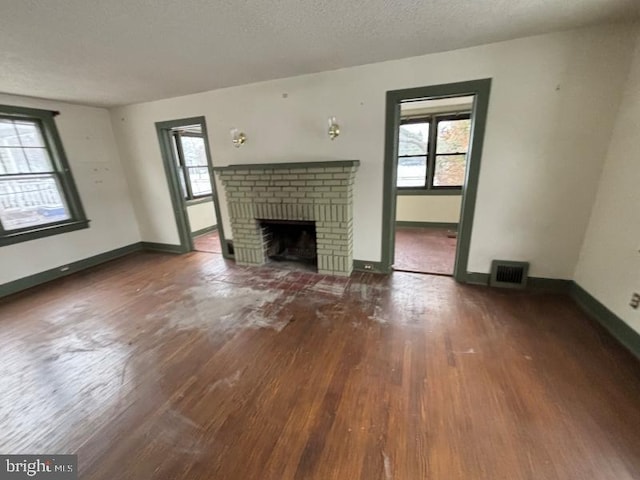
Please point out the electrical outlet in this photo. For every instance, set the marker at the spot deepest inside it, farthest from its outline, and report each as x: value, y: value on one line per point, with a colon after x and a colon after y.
x: 368, y: 266
x: 635, y: 300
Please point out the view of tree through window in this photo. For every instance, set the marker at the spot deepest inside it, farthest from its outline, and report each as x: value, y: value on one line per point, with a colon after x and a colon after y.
x: 30, y: 190
x: 451, y: 153
x: 445, y: 167
x: 191, y: 156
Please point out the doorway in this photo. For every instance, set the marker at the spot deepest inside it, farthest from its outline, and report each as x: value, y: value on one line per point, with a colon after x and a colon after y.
x: 433, y: 143
x: 189, y: 169
x: 433, y: 149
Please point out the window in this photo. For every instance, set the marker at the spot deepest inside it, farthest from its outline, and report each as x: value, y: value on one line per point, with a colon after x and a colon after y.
x: 191, y: 155
x: 413, y: 152
x: 37, y: 195
x: 432, y: 152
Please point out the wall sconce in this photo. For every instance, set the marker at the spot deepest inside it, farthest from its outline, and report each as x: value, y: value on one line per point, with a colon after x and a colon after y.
x: 237, y: 137
x: 334, y: 128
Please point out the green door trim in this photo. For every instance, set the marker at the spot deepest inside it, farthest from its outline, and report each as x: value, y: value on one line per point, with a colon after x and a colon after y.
x: 481, y: 90
x: 177, y: 200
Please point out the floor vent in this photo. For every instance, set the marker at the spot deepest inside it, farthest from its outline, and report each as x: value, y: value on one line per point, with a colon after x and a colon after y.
x: 508, y: 274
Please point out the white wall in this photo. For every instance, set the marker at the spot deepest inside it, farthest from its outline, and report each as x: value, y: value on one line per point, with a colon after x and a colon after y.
x: 201, y: 215
x: 553, y: 101
x: 88, y: 141
x: 609, y: 265
x: 428, y: 208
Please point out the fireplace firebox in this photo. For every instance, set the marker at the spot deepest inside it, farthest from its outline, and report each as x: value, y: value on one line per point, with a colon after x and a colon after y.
x: 290, y: 240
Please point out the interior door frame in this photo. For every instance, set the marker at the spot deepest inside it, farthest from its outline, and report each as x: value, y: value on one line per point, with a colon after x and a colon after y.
x: 177, y: 199
x: 481, y: 90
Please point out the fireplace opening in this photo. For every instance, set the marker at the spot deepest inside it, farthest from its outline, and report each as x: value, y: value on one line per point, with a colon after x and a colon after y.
x: 290, y: 241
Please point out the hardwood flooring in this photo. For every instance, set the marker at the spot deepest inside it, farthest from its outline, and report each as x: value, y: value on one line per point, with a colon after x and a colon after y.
x: 188, y: 367
x: 425, y: 250
x: 208, y: 242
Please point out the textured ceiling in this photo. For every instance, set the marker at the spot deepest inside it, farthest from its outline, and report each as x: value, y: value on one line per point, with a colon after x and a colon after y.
x: 117, y: 52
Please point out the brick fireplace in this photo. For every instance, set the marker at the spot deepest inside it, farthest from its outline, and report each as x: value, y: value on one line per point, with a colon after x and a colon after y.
x: 320, y: 192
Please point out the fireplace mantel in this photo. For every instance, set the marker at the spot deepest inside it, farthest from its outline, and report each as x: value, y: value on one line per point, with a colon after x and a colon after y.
x: 290, y: 165
x: 321, y: 192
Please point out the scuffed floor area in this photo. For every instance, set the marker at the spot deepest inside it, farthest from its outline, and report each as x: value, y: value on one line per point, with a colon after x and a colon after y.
x: 158, y: 366
x: 425, y: 250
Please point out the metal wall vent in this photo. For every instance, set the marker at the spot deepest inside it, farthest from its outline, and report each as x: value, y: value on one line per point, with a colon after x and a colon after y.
x: 509, y: 274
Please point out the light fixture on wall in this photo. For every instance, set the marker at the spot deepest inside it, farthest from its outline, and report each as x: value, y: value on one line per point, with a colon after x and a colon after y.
x: 237, y: 137
x: 334, y: 128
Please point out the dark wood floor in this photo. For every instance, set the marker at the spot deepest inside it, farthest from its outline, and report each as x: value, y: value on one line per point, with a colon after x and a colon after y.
x: 186, y: 367
x: 425, y: 250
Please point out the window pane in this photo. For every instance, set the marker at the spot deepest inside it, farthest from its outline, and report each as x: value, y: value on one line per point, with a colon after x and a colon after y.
x: 29, y: 133
x: 29, y: 201
x: 8, y: 134
x: 193, y: 149
x: 38, y: 160
x: 413, y: 139
x: 453, y: 136
x: 22, y: 148
x: 412, y: 171
x: 12, y: 160
x: 449, y: 171
x: 200, y: 181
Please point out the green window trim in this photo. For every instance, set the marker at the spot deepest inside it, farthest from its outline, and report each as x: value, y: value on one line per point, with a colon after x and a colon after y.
x: 44, y: 119
x: 43, y: 231
x: 445, y: 191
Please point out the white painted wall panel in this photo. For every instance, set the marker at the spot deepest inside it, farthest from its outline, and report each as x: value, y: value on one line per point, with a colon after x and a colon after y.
x: 609, y: 265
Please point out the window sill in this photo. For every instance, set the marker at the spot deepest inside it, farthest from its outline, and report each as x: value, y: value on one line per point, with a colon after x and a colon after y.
x: 41, y: 232
x: 197, y: 201
x: 433, y: 191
